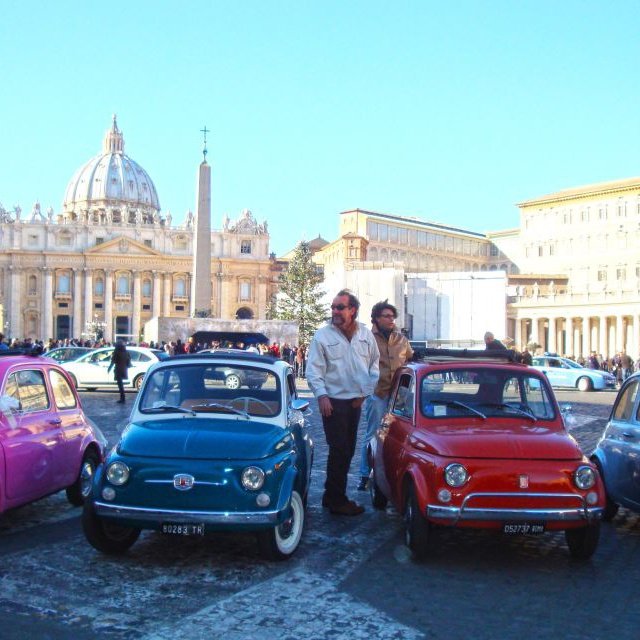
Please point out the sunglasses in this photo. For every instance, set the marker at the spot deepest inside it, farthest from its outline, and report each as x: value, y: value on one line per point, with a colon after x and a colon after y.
x: 339, y: 307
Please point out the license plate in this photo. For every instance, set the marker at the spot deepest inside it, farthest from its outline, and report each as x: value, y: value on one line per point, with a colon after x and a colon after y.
x: 176, y: 529
x: 523, y: 528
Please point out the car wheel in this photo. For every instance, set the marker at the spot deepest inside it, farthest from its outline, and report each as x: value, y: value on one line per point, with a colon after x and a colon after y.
x: 281, y: 542
x: 232, y: 381
x: 137, y: 383
x: 583, y: 541
x: 80, y: 490
x: 585, y: 384
x: 610, y: 507
x: 104, y: 535
x: 416, y: 527
x: 378, y: 499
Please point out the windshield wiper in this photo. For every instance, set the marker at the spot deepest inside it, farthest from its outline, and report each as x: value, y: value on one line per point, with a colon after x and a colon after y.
x: 167, y: 407
x: 522, y: 412
x: 221, y: 407
x: 457, y: 403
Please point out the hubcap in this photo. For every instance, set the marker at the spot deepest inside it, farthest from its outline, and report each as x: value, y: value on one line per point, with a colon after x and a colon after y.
x: 86, y: 478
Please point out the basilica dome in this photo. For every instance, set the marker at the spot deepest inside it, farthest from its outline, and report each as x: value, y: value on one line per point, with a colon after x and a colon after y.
x: 111, y: 182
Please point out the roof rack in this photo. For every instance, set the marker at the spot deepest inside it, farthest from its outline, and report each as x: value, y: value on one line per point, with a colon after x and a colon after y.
x: 444, y: 355
x: 34, y: 351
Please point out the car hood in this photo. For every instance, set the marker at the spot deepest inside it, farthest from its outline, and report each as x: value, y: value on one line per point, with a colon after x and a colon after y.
x: 203, y: 438
x: 520, y: 442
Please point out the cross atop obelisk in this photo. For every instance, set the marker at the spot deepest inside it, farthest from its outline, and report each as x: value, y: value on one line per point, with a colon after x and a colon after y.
x: 204, y: 148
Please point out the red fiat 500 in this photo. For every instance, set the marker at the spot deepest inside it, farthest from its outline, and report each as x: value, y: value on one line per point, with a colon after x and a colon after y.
x: 474, y: 440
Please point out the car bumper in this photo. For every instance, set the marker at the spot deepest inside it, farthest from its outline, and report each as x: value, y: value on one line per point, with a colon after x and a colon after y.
x: 154, y: 516
x: 580, y: 512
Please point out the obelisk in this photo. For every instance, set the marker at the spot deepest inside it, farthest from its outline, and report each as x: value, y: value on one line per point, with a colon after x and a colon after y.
x: 201, y: 279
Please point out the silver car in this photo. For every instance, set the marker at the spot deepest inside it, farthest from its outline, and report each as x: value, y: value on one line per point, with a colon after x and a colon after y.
x: 565, y: 373
x: 617, y: 455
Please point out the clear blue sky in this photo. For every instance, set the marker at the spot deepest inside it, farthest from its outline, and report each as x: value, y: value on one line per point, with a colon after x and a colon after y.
x: 452, y: 112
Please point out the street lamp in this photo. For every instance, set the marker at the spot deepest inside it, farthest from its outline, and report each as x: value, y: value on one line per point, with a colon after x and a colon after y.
x: 95, y: 328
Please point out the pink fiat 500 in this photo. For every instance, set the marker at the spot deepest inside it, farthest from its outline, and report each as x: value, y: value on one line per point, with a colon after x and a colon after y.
x: 46, y: 442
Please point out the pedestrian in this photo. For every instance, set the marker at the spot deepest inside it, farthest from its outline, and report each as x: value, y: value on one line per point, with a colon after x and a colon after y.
x: 342, y: 370
x: 395, y: 351
x: 301, y: 354
x: 526, y: 357
x: 120, y: 361
x: 491, y: 343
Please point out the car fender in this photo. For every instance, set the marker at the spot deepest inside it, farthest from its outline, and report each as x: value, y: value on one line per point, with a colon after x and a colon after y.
x: 601, y: 459
x: 287, y: 485
x: 414, y: 474
x: 2, y: 479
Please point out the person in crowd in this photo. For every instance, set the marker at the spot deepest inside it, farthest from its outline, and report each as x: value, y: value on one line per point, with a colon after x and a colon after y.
x: 395, y: 351
x: 300, y: 361
x: 526, y: 357
x: 491, y: 343
x: 252, y: 349
x: 593, y: 361
x: 3, y: 345
x: 626, y: 364
x: 342, y: 370
x: 192, y: 347
x: 120, y: 363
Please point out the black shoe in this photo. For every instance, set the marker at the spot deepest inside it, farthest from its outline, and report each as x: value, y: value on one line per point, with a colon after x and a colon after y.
x: 121, y: 401
x: 364, y: 483
x: 349, y: 508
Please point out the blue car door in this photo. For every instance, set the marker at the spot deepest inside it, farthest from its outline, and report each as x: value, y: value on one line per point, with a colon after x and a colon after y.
x: 621, y: 448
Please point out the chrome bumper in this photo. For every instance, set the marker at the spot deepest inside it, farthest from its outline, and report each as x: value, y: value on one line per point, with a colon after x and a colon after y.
x: 196, y: 517
x: 581, y: 512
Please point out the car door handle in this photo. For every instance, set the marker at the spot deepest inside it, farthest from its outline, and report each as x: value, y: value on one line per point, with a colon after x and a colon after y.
x: 56, y: 421
x: 626, y: 434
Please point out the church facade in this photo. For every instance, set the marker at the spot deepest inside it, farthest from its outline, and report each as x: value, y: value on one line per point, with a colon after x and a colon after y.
x: 109, y: 261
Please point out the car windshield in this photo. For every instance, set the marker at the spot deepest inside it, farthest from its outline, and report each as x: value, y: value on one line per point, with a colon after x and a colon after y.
x: 229, y: 389
x: 485, y: 393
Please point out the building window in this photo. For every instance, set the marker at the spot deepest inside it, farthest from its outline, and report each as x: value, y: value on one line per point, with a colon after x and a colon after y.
x: 64, y: 283
x: 64, y: 240
x: 621, y: 273
x: 181, y: 243
x: 122, y: 286
x: 99, y: 241
x: 32, y: 287
x: 493, y: 250
x: 180, y: 288
x: 540, y: 252
x: 146, y: 307
x: 402, y: 235
x: 33, y: 241
x: 393, y: 234
x: 146, y: 288
x: 552, y: 249
x: 602, y: 275
x: 245, y: 291
x: 179, y: 307
x: 99, y: 287
x: 383, y: 232
x: 148, y: 243
x: 245, y: 246
x: 584, y: 216
x: 63, y: 305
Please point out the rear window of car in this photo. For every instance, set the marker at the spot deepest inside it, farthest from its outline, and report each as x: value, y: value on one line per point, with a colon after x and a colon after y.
x: 29, y: 389
x: 212, y: 387
x: 481, y: 392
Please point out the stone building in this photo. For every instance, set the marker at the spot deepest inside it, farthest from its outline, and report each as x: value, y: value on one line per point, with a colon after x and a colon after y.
x: 109, y: 260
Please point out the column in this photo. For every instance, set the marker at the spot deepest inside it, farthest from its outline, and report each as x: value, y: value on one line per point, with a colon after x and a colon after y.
x: 636, y: 337
x: 88, y: 297
x: 15, y: 322
x: 602, y: 336
x: 619, y: 333
x: 552, y: 346
x: 136, y: 307
x: 568, y: 336
x: 108, y: 305
x: 46, y: 321
x: 586, y: 337
x: 77, y: 303
x: 166, y: 297
x: 155, y: 306
x: 535, y: 336
x: 518, y: 334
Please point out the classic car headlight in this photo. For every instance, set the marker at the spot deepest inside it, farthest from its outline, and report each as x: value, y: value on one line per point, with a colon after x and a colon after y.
x: 117, y: 473
x: 252, y: 478
x: 584, y: 477
x: 455, y: 475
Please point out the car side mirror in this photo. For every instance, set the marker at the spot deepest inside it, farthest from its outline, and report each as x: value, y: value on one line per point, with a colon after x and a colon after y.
x: 298, y: 404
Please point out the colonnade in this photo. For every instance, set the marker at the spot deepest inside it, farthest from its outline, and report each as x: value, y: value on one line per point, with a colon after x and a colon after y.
x: 579, y: 335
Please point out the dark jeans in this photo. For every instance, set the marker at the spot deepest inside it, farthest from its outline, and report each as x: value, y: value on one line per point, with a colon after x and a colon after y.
x: 341, y: 431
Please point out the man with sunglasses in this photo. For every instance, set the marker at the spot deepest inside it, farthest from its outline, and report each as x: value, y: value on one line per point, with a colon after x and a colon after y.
x: 395, y: 351
x: 342, y: 370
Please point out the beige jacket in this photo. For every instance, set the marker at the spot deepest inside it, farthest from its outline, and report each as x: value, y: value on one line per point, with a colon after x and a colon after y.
x: 393, y: 354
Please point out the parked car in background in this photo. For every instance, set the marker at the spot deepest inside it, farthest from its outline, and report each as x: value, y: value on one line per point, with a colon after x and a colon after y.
x: 563, y: 372
x: 474, y: 440
x: 199, y: 456
x: 91, y: 370
x: 233, y: 377
x: 46, y: 441
x: 67, y: 354
x: 617, y: 454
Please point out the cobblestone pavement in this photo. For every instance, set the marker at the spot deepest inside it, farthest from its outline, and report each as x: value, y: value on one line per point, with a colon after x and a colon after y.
x: 351, y: 577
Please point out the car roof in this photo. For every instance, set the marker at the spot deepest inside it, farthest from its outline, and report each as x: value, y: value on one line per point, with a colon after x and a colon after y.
x: 226, y: 355
x: 12, y: 357
x: 466, y: 356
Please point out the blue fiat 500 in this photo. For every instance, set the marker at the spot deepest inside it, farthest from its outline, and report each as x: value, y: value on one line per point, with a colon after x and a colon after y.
x: 199, y: 456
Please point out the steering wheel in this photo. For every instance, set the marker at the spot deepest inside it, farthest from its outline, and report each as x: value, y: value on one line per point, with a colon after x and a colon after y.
x: 247, y: 400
